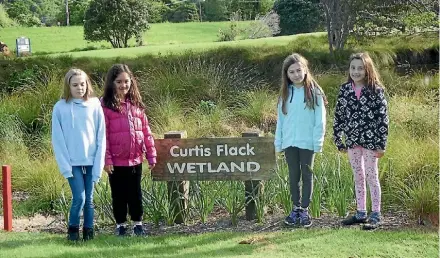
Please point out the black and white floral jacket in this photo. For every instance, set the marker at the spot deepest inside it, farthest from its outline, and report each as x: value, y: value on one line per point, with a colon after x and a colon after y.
x: 364, y: 122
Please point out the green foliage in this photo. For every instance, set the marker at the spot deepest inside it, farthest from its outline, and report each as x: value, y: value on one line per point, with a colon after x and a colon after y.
x: 77, y: 10
x: 157, y: 11
x: 229, y: 34
x: 298, y: 16
x: 28, y: 20
x: 5, y: 21
x: 115, y: 21
x: 48, y: 11
x: 222, y: 93
x: 215, y: 10
x: 418, y: 194
x: 258, y: 108
x: 18, y: 8
x: 183, y: 12
x: 24, y: 13
x: 421, y: 21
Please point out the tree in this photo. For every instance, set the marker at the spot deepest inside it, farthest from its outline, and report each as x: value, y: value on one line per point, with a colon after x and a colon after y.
x: 183, y: 12
x: 77, y: 10
x: 5, y: 21
x: 340, y: 16
x: 157, y: 11
x: 115, y: 21
x: 369, y: 18
x: 247, y: 8
x: 298, y: 16
x: 24, y: 12
x: 215, y: 10
x: 48, y: 10
x: 18, y: 8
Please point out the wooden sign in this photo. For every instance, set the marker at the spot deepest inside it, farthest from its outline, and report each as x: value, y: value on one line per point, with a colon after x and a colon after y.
x: 247, y: 158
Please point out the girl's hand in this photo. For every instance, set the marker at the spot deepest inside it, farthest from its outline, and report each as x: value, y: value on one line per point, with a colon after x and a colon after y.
x: 108, y: 169
x: 380, y: 153
x: 151, y: 166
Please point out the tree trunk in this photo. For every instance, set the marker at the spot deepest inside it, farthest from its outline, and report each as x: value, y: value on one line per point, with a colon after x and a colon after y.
x: 330, y: 34
x: 339, y: 15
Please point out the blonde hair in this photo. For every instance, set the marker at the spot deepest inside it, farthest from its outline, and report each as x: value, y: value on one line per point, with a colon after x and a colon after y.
x: 67, y: 95
x: 309, y: 83
x: 371, y: 74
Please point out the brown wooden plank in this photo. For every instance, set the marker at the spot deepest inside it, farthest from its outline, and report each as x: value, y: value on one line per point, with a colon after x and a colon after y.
x: 215, y: 159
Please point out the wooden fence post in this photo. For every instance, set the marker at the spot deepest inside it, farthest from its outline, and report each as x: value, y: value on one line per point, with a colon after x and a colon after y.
x: 253, y: 188
x: 178, y: 191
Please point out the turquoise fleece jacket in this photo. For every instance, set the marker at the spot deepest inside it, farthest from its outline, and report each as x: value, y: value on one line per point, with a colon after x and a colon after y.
x: 301, y: 127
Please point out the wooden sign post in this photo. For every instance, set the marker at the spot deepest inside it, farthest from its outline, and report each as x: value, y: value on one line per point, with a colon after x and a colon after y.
x: 250, y: 159
x: 178, y: 191
x: 252, y: 188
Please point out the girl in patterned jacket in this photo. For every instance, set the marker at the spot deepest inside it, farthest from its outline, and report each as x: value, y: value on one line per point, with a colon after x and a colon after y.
x: 361, y: 116
x: 128, y: 138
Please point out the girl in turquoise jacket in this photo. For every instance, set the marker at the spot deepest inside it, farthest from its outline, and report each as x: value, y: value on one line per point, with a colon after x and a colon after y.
x: 300, y: 132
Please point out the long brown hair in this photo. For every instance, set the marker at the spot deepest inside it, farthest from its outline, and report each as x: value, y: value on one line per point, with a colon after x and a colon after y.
x: 67, y: 95
x: 309, y: 82
x: 371, y: 75
x: 110, y: 96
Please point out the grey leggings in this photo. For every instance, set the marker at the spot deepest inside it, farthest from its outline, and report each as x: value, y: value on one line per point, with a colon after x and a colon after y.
x: 300, y: 164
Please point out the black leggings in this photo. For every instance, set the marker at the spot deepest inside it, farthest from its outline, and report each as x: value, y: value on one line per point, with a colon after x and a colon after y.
x: 125, y: 183
x: 300, y: 164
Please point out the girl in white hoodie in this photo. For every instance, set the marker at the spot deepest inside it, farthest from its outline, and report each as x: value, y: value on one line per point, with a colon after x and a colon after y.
x: 78, y: 139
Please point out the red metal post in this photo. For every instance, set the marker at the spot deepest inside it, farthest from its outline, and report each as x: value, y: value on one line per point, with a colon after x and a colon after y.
x: 7, y: 197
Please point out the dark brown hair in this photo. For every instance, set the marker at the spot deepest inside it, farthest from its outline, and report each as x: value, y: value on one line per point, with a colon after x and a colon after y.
x: 110, y: 98
x: 309, y: 83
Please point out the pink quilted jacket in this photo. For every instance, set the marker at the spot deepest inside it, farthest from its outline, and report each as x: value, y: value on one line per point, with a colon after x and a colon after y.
x: 128, y: 136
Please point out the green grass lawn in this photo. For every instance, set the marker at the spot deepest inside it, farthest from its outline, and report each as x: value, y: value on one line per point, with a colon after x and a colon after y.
x: 180, y: 48
x: 298, y: 243
x: 65, y: 39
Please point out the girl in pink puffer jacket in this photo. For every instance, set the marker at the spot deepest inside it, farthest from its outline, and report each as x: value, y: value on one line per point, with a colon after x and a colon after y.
x: 128, y: 138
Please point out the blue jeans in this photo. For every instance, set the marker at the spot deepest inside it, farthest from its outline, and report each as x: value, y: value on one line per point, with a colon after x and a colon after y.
x: 81, y: 185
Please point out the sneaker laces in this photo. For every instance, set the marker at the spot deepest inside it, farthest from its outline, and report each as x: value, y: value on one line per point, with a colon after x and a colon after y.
x: 360, y: 215
x: 304, y: 215
x: 292, y: 214
x: 375, y: 217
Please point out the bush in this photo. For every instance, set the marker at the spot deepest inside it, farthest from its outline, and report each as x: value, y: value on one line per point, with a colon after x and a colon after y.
x: 5, y: 21
x: 264, y: 26
x: 28, y: 20
x: 77, y: 11
x: 183, y: 12
x: 215, y: 10
x: 299, y: 16
x: 230, y: 33
x: 157, y: 12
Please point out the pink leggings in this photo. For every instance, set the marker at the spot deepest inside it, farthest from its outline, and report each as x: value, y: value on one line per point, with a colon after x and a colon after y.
x: 364, y: 162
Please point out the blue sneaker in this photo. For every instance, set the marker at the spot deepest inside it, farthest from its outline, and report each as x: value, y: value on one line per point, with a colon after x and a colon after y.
x: 304, y: 218
x: 359, y: 218
x: 293, y: 218
x: 373, y: 221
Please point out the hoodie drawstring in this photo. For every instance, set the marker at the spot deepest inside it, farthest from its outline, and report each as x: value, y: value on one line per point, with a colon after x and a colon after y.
x: 291, y: 96
x: 72, y: 114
